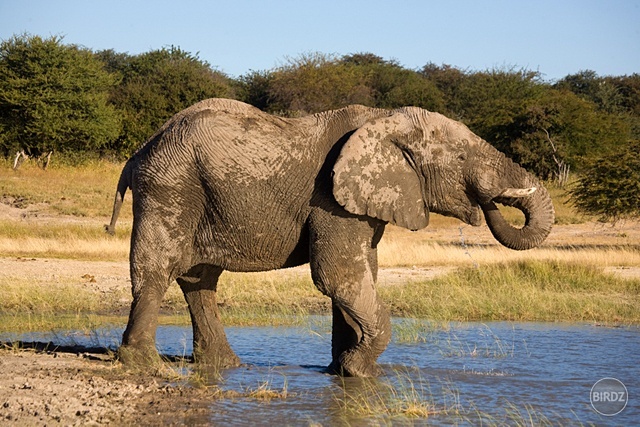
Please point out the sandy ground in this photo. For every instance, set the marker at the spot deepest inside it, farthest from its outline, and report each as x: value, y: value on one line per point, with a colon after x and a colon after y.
x: 85, y: 386
x: 72, y: 386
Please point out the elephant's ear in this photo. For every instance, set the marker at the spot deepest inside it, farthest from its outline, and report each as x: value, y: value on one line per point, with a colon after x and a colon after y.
x: 372, y: 177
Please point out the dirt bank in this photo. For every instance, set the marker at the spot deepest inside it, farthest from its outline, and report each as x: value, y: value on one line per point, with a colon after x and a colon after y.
x: 70, y: 386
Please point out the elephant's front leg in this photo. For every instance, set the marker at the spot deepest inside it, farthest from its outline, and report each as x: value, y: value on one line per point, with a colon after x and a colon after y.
x: 210, y: 345
x: 344, y: 267
x: 365, y: 323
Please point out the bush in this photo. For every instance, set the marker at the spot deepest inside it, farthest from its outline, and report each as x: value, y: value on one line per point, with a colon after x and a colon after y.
x: 610, y: 185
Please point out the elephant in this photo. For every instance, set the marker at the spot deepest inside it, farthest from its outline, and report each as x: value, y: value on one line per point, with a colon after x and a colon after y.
x: 223, y: 186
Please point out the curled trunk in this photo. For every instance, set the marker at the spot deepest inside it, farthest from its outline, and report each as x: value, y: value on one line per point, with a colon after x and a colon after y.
x: 536, y: 207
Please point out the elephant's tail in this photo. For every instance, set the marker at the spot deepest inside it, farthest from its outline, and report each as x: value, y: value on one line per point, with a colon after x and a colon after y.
x: 123, y: 183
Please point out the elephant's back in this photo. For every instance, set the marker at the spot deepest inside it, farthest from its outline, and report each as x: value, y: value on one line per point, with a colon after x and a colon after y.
x: 217, y: 104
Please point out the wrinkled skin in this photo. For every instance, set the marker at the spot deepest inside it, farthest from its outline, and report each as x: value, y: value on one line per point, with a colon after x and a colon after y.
x: 224, y: 186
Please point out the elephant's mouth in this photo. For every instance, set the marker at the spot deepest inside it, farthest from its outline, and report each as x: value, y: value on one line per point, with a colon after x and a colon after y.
x: 474, y: 216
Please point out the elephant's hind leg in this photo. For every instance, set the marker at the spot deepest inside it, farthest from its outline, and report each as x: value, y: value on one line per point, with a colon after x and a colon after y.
x: 210, y: 345
x: 155, y: 255
x: 139, y: 339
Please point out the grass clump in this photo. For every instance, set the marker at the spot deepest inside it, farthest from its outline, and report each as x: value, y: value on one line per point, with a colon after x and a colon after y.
x: 267, y: 391
x: 520, y: 291
x: 402, y: 394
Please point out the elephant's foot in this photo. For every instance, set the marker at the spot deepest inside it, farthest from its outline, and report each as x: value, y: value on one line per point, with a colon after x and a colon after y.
x: 216, y: 358
x: 143, y: 357
x: 353, y: 364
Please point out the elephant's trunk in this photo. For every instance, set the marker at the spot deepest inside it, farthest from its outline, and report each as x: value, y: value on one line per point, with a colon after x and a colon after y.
x: 536, y: 206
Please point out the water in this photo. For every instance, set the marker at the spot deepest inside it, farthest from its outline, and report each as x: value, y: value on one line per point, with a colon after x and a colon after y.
x: 500, y: 373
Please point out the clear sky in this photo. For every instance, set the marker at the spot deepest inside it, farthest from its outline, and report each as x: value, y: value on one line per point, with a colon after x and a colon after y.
x: 555, y: 37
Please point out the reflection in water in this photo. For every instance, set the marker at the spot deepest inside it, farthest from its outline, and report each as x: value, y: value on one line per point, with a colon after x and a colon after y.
x: 458, y: 373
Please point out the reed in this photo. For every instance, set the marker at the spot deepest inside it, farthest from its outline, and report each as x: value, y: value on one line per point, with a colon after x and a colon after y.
x: 267, y: 390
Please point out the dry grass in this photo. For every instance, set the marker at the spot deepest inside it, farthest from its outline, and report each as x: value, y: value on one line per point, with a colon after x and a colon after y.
x: 84, y: 242
x: 100, y: 249
x: 81, y: 191
x: 30, y: 296
x: 398, y: 252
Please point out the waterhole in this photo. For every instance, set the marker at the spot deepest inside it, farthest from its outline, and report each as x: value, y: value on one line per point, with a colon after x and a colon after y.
x: 434, y: 374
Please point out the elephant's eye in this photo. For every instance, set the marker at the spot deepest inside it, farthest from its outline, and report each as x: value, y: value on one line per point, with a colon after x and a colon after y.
x: 462, y: 157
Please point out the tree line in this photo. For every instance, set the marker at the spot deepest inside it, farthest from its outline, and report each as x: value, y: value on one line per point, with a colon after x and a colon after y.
x: 69, y: 99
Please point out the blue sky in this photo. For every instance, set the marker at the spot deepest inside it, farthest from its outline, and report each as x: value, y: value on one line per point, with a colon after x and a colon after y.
x: 555, y: 37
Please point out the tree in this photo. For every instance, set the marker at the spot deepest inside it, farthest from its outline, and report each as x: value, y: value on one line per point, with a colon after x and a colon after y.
x: 316, y: 82
x: 487, y: 101
x: 253, y: 88
x: 602, y: 91
x: 500, y: 105
x: 629, y: 89
x: 449, y: 81
x: 556, y: 130
x: 53, y: 97
x: 393, y: 86
x: 609, y: 186
x: 155, y: 86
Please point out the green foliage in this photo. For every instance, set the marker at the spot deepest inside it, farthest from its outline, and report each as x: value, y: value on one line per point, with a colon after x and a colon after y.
x: 558, y: 127
x: 617, y: 96
x: 53, y: 97
x: 316, y: 82
x: 254, y: 88
x: 544, y: 128
x: 629, y: 89
x: 392, y: 86
x: 610, y: 185
x: 155, y: 86
x: 601, y: 91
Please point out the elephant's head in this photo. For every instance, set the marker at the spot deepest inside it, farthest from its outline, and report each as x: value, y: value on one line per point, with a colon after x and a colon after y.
x: 401, y: 167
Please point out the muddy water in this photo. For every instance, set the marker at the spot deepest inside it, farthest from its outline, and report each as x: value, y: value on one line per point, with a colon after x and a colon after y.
x: 465, y: 373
